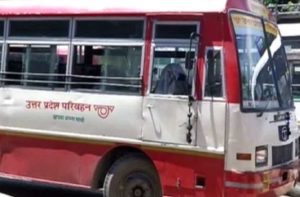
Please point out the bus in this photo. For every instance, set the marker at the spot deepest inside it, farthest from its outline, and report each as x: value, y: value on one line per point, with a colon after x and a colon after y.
x: 289, y: 27
x: 291, y: 36
x: 288, y: 24
x: 146, y: 99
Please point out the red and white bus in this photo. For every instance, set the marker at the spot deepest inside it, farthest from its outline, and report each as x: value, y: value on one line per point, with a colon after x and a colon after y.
x: 146, y: 99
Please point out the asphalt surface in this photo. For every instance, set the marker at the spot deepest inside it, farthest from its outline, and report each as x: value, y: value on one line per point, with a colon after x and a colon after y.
x: 29, y: 192
x: 23, y: 189
x: 46, y: 193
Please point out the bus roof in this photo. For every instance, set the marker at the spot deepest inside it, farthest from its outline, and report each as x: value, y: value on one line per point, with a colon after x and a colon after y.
x: 101, y: 7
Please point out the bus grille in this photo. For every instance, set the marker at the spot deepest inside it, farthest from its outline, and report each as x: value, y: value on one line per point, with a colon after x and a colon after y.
x: 282, y: 154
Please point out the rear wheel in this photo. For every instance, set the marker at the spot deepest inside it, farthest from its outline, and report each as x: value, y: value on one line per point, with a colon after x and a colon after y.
x: 132, y: 176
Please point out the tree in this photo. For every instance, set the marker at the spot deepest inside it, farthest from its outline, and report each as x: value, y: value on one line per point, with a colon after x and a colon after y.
x: 267, y: 2
x: 284, y: 5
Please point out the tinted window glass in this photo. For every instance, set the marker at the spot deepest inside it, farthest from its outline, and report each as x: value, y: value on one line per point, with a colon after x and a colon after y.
x: 106, y: 68
x: 1, y: 28
x: 169, y: 75
x: 174, y: 31
x: 109, y: 29
x: 214, y: 76
x: 45, y: 28
x: 36, y: 65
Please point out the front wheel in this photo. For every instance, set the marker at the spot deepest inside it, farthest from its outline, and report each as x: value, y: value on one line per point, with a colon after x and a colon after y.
x: 132, y: 176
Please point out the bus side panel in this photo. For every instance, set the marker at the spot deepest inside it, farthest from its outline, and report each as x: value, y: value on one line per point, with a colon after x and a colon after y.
x: 189, y: 173
x: 48, y: 159
x: 182, y: 173
x: 220, y: 35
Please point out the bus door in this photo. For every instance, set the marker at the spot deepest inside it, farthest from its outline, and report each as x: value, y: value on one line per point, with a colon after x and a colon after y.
x: 165, y: 108
x: 212, y: 110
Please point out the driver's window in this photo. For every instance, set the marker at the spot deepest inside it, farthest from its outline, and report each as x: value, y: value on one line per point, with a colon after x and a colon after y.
x: 214, y: 86
x: 169, y: 75
x: 170, y: 44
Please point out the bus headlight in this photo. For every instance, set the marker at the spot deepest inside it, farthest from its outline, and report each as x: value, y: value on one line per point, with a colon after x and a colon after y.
x: 261, y: 156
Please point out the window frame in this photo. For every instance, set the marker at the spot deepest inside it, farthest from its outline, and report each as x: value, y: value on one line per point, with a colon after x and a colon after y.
x: 105, y: 45
x: 35, y: 43
x: 3, y: 48
x: 106, y: 42
x: 70, y: 42
x: 8, y: 40
x: 172, y: 43
x: 209, y: 98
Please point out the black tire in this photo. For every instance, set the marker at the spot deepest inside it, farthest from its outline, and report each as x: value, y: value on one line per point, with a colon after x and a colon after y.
x: 132, y: 176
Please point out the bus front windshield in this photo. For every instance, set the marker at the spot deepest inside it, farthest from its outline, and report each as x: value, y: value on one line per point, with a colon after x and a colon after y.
x: 265, y: 76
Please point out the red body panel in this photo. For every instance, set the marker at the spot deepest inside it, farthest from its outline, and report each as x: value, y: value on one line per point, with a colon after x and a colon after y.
x: 75, y: 162
x: 271, y: 180
x: 219, y: 35
x: 58, y: 161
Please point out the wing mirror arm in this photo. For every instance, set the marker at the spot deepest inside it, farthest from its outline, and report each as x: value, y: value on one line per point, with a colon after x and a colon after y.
x: 189, y: 57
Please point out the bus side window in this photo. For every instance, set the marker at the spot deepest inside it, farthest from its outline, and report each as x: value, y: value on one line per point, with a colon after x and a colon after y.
x: 106, y: 68
x: 36, y: 65
x: 86, y: 68
x: 296, y: 80
x: 213, y: 73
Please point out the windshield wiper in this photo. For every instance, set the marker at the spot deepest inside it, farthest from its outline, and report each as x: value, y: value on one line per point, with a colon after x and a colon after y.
x: 269, y: 95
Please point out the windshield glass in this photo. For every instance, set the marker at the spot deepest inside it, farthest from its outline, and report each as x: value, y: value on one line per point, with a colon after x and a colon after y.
x: 265, y: 80
x: 281, y: 69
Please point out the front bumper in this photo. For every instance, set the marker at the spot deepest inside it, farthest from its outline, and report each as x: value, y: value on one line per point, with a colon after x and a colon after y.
x: 273, y: 182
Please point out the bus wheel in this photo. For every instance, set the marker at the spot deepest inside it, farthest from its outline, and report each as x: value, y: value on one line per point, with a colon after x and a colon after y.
x: 132, y: 176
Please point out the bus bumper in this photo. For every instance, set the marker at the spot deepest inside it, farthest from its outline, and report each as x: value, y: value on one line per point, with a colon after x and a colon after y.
x: 269, y: 183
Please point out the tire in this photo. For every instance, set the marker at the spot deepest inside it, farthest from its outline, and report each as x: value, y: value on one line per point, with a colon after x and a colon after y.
x: 132, y: 176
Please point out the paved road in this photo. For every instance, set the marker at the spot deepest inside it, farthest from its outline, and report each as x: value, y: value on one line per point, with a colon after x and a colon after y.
x: 29, y: 191
x: 22, y: 189
x: 71, y: 194
x: 47, y: 193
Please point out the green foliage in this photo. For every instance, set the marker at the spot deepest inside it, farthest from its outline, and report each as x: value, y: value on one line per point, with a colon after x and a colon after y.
x: 267, y: 2
x: 283, y: 5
